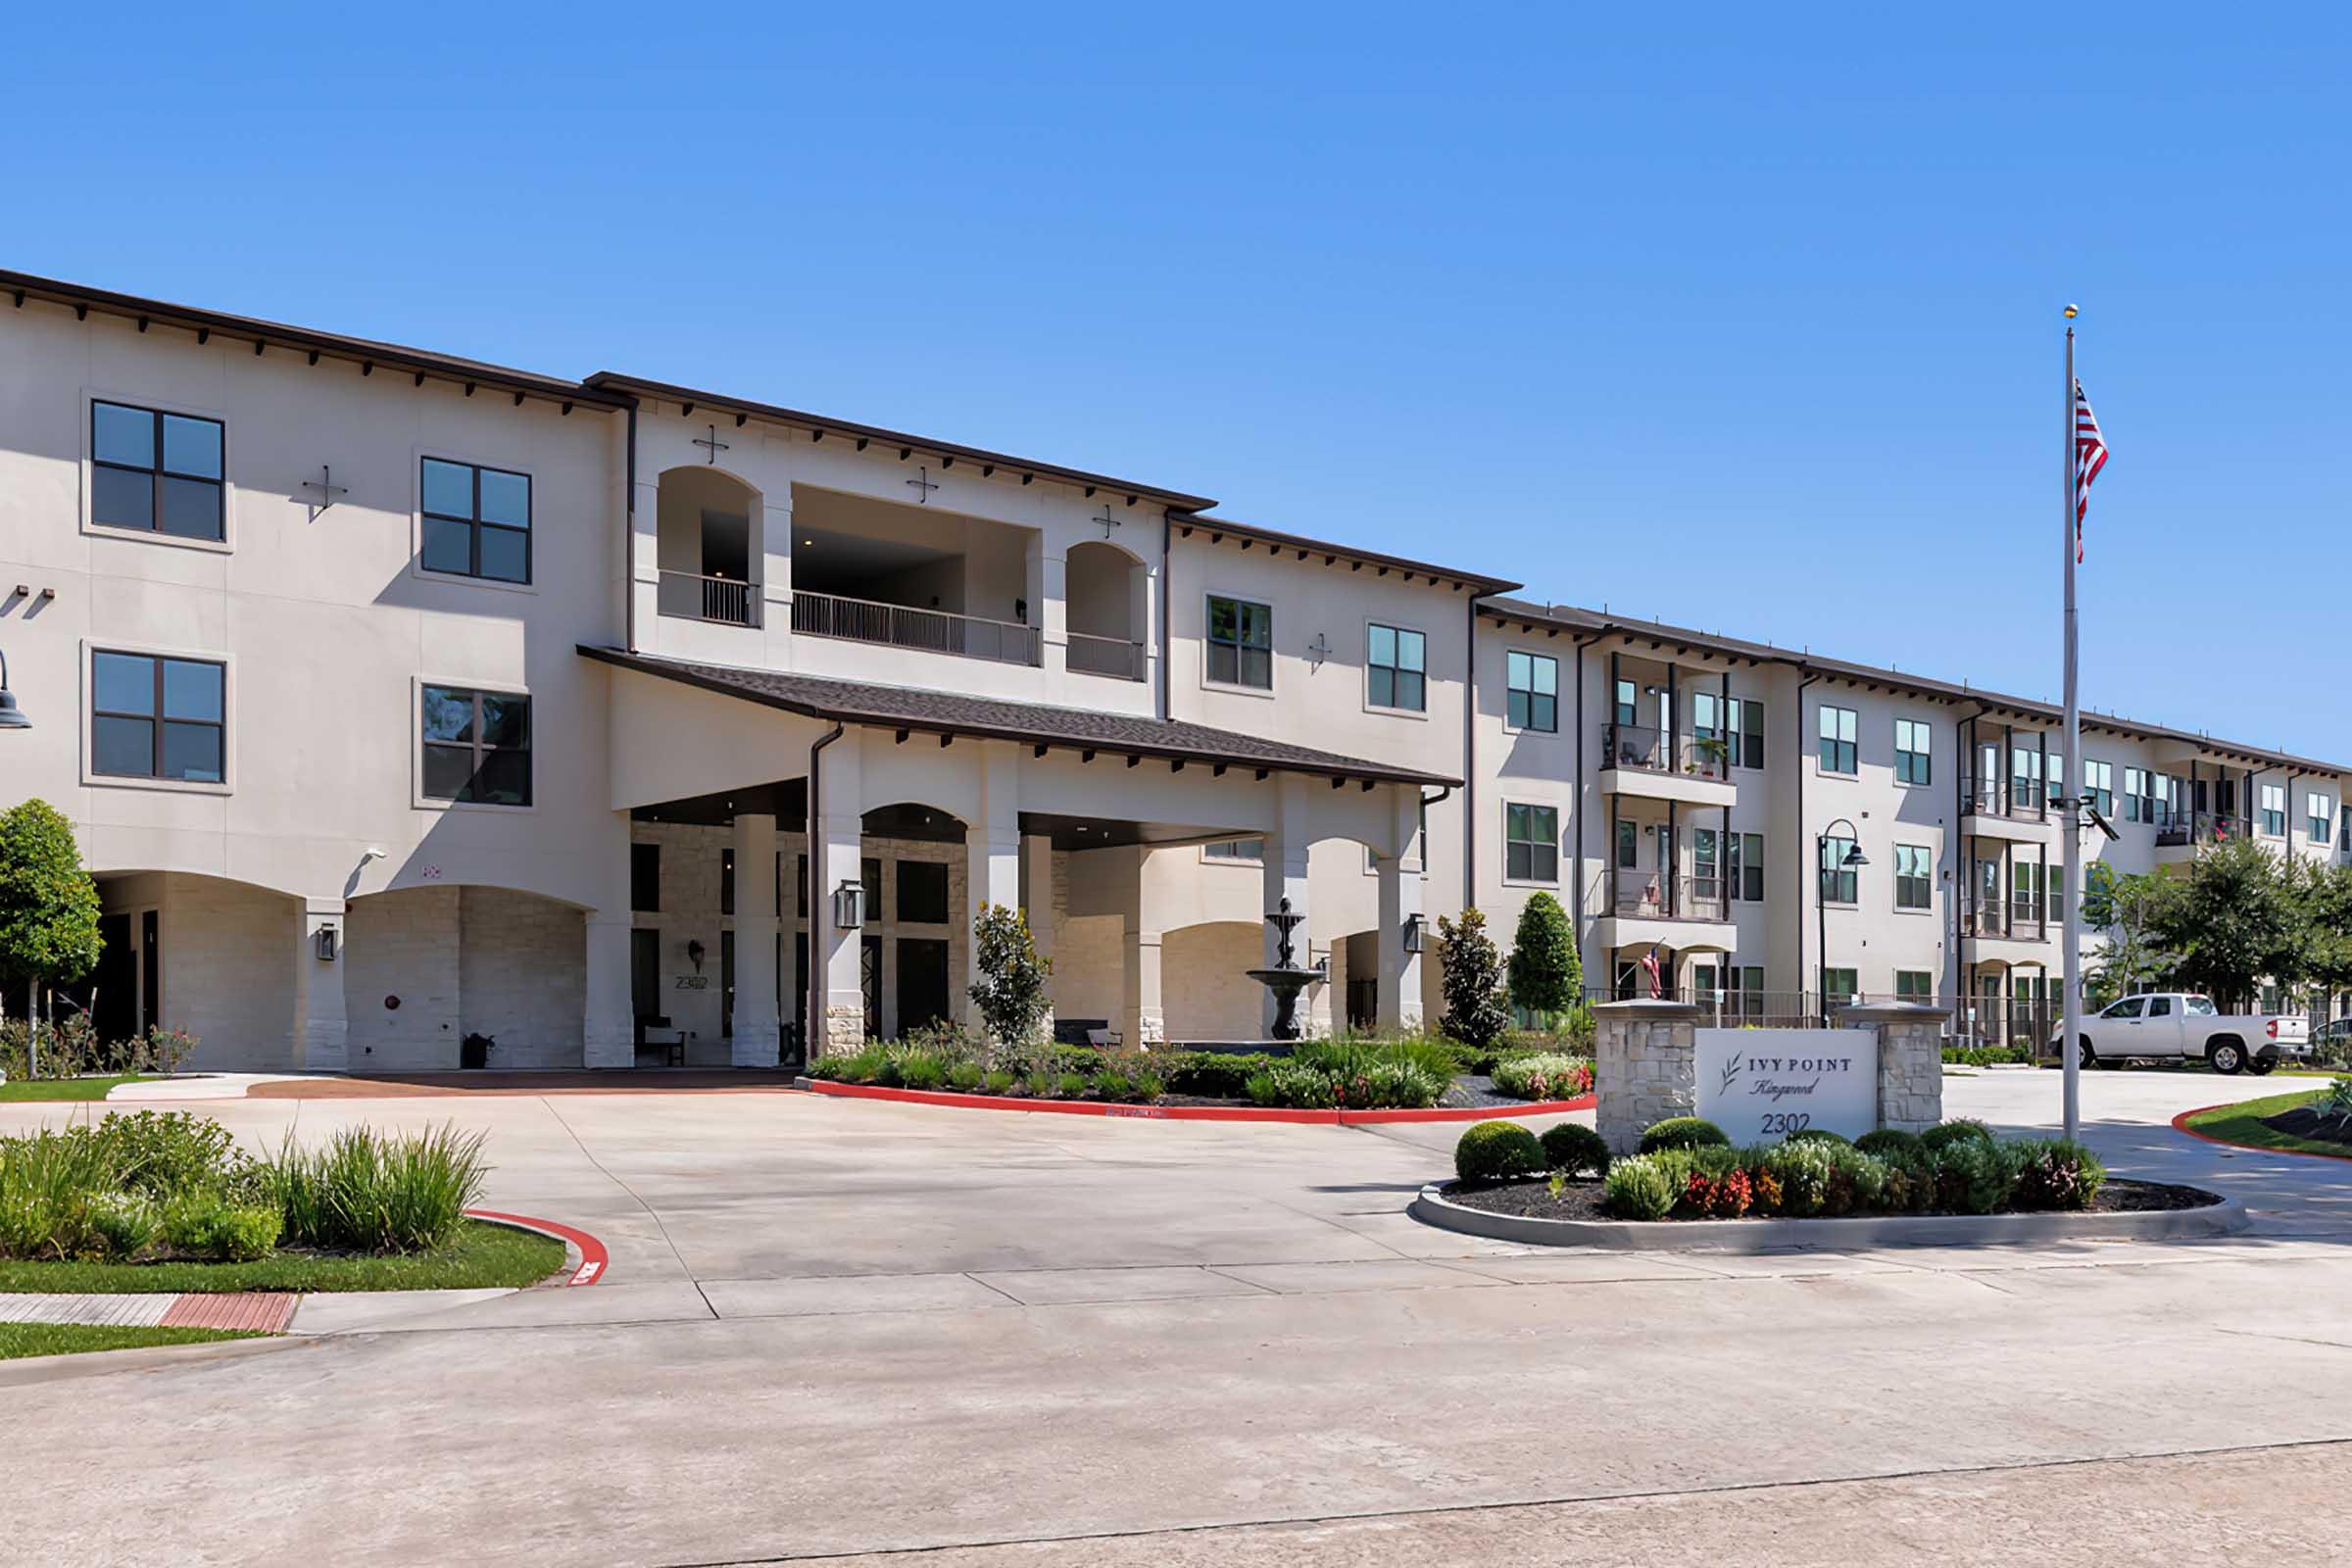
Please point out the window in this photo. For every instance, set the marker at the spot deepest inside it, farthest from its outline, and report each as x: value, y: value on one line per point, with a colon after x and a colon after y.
x: 1627, y: 839
x: 1396, y: 666
x: 726, y: 881
x: 2129, y: 1007
x: 2138, y: 803
x: 1840, y: 881
x: 2273, y: 811
x: 1706, y: 867
x: 1911, y: 759
x: 1748, y: 866
x: 1241, y: 643
x: 2160, y: 1007
x: 923, y: 892
x: 1840, y: 986
x: 1251, y: 850
x: 644, y: 877
x: 2167, y: 797
x: 156, y: 718
x: 1838, y: 752
x: 1534, y: 680
x: 2024, y: 892
x: 1914, y: 877
x: 1914, y: 985
x: 2098, y: 782
x: 2319, y: 817
x: 477, y: 747
x: 1747, y: 731
x: 2057, y: 788
x: 478, y: 521
x: 1532, y: 843
x: 2025, y: 778
x: 1627, y: 710
x: 156, y: 472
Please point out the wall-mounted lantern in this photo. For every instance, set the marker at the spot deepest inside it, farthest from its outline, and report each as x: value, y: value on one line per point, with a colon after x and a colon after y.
x: 849, y: 906
x: 1415, y: 936
x: 694, y: 953
x: 323, y: 944
x: 11, y: 715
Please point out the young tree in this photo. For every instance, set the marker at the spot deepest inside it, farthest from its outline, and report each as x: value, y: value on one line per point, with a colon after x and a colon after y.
x: 2328, y: 928
x: 2128, y: 911
x: 1546, y: 975
x: 2236, y: 921
x: 48, y: 904
x: 1473, y: 975
x: 1010, y: 990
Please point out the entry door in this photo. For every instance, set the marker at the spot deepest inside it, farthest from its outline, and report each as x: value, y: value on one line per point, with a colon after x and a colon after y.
x: 799, y: 992
x: 922, y: 983
x: 115, y: 998
x: 869, y: 981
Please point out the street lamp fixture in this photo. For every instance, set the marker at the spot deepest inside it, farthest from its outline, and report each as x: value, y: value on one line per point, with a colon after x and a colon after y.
x: 11, y: 715
x: 1853, y: 858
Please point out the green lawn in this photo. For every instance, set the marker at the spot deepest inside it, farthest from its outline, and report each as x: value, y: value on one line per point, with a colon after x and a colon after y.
x: 66, y: 1338
x: 64, y: 1087
x: 2241, y: 1123
x: 483, y: 1256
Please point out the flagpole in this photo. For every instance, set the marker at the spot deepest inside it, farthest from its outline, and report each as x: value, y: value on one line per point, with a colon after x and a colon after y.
x: 2070, y: 1051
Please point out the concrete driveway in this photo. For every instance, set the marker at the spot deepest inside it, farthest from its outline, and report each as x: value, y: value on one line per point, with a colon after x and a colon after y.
x: 837, y: 1328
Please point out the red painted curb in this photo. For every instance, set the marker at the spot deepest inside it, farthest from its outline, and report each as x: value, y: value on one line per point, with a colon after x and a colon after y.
x: 593, y: 1257
x: 1260, y: 1114
x: 2180, y: 1125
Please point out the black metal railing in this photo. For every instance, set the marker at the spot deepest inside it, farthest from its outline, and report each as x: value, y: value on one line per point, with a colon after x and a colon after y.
x: 2185, y: 828
x: 1115, y: 656
x: 1654, y: 751
x: 867, y: 620
x: 691, y: 596
x: 1655, y: 896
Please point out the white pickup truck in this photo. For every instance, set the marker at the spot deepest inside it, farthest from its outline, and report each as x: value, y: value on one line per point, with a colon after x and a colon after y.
x: 2182, y: 1024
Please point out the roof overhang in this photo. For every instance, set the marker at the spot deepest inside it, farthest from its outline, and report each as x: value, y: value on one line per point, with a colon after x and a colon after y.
x: 1247, y: 534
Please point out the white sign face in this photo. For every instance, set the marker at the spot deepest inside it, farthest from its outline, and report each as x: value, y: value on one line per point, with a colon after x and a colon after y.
x: 1760, y: 1084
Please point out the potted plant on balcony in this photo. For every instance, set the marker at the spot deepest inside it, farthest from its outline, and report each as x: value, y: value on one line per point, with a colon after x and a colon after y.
x: 1714, y: 755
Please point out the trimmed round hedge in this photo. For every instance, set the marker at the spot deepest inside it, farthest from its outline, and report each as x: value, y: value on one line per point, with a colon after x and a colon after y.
x: 1889, y: 1142
x: 1498, y: 1151
x: 1943, y: 1135
x: 1818, y: 1135
x: 1682, y: 1132
x: 1572, y: 1147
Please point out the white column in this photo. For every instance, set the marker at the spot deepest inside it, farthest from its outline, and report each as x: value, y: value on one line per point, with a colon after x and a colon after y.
x: 992, y: 845
x: 321, y: 1025
x: 1285, y: 877
x: 1143, y: 1022
x: 834, y: 859
x: 757, y: 1031
x: 1399, y: 997
x: 1036, y: 889
x: 609, y: 1024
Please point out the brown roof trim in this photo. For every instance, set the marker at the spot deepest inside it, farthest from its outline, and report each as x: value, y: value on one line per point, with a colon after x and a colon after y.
x: 17, y: 287
x: 1570, y: 618
x: 1172, y: 741
x: 1220, y: 528
x: 1128, y: 490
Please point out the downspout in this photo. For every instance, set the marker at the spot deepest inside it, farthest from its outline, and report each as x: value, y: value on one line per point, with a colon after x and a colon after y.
x: 1576, y: 813
x: 818, y: 909
x: 1797, y: 755
x: 1167, y: 539
x: 1963, y: 866
x: 1469, y: 767
x: 628, y: 539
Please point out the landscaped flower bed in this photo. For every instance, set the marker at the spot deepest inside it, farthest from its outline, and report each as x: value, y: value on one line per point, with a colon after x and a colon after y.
x: 1688, y: 1170
x: 2314, y: 1122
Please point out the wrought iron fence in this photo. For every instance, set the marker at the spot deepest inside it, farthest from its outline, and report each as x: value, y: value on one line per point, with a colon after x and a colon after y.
x: 1656, y: 751
x: 692, y: 596
x: 1115, y: 656
x: 937, y: 631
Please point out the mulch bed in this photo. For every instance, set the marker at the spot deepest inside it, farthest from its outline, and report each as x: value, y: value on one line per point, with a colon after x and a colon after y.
x: 2304, y: 1121
x: 1581, y: 1201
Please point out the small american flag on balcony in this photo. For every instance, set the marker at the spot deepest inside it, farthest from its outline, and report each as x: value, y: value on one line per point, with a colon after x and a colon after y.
x: 1657, y: 982
x: 2090, y: 456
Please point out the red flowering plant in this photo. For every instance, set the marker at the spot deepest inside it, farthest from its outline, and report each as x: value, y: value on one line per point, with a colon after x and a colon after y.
x: 1726, y: 1195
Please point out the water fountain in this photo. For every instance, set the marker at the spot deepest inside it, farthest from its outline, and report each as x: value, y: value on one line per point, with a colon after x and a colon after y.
x: 1286, y: 979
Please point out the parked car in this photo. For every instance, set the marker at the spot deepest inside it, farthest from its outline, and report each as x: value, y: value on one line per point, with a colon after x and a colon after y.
x: 2181, y: 1025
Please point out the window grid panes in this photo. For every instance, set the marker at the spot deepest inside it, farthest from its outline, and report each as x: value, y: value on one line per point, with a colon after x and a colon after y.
x: 1913, y: 879
x: 1914, y: 985
x: 2138, y: 807
x: 2273, y: 811
x: 1532, y: 843
x: 477, y: 747
x: 1911, y: 756
x: 2319, y: 813
x: 1533, y: 682
x: 1747, y: 870
x: 478, y: 521
x: 1838, y: 754
x: 1241, y: 643
x: 157, y: 717
x: 1251, y: 850
x: 155, y: 471
x: 1627, y: 841
x: 1840, y: 882
x: 1395, y: 668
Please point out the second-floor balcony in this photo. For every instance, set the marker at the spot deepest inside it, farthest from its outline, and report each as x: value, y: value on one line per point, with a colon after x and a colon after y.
x: 1120, y: 658
x: 2182, y: 830
x: 725, y: 601
x: 937, y: 631
x: 1655, y: 751
x: 1656, y: 895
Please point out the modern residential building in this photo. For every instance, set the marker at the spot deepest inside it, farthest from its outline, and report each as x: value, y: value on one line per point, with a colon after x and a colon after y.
x: 412, y: 711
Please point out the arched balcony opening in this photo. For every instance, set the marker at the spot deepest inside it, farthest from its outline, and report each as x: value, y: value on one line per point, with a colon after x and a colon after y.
x: 709, y: 545
x: 1108, y: 611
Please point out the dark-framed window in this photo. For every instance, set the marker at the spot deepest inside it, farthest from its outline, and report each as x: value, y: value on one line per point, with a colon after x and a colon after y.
x: 1843, y: 987
x: 1629, y: 843
x: 1838, y: 754
x: 2025, y: 778
x: 1913, y: 762
x: 153, y: 717
x: 478, y: 521
x: 1627, y: 702
x: 1531, y: 843
x: 1251, y: 850
x: 1840, y: 882
x: 644, y: 877
x: 2138, y: 804
x: 1241, y: 643
x: 477, y: 746
x: 2273, y: 811
x: 1914, y: 985
x: 923, y: 892
x: 157, y: 471
x: 2319, y: 817
x: 1533, y: 683
x: 2098, y: 782
x: 1747, y: 870
x: 1395, y: 668
x: 1744, y: 717
x: 1914, y: 877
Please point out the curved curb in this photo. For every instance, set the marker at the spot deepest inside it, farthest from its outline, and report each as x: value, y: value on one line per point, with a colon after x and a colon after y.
x: 2180, y: 1125
x: 593, y: 1257
x: 1433, y: 1207
x: 1339, y: 1117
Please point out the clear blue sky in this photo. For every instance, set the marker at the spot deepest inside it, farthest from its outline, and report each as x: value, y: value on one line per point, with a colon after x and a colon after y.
x: 1747, y: 322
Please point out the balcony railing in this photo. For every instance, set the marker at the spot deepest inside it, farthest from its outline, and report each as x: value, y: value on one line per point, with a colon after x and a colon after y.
x: 1115, y: 656
x: 1654, y: 751
x: 867, y: 621
x: 2184, y: 828
x: 692, y: 596
x: 1647, y: 894
x: 2005, y: 797
x: 2018, y: 917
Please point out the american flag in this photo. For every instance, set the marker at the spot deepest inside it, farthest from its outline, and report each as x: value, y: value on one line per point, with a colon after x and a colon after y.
x: 2090, y: 456
x: 1657, y: 983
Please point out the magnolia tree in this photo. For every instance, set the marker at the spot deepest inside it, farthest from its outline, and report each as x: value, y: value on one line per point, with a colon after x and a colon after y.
x: 48, y: 904
x: 1010, y: 990
x: 1548, y: 978
x: 1473, y: 980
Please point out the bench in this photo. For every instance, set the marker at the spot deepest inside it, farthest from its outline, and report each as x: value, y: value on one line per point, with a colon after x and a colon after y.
x: 655, y: 1033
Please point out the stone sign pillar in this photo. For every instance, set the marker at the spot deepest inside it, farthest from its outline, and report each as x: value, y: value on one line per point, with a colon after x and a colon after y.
x: 1910, y: 1060
x: 1644, y: 1067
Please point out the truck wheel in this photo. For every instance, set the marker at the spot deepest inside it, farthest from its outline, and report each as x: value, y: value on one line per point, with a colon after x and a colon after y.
x: 2226, y: 1057
x: 2086, y: 1055
x: 2261, y: 1066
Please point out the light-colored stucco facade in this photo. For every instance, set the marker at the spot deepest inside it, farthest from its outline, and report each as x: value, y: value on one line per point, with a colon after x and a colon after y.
x: 717, y: 663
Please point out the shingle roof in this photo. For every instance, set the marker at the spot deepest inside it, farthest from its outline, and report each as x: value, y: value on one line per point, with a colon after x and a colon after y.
x: 994, y: 718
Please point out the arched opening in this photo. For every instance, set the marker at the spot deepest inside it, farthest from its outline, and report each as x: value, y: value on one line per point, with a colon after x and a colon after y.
x: 1205, y: 991
x: 913, y: 947
x: 179, y: 950
x: 1108, y: 610
x: 709, y: 546
x: 427, y: 968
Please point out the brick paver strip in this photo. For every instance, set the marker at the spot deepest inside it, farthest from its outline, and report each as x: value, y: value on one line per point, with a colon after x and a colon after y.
x: 265, y: 1312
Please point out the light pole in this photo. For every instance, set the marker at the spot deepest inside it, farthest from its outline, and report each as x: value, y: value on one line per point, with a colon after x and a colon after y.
x: 1854, y: 856
x: 11, y: 715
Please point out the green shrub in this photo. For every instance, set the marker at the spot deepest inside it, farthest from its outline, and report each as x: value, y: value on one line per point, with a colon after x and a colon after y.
x: 1977, y: 1176
x: 47, y: 1179
x: 996, y: 1081
x: 1679, y: 1132
x: 1472, y: 971
x: 1803, y: 1171
x: 1943, y: 1135
x: 1213, y: 1074
x: 1887, y: 1142
x: 371, y: 1192
x: 129, y: 1223
x: 1820, y: 1135
x: 1572, y: 1147
x: 1641, y: 1188
x: 1549, y: 1076
x: 964, y: 1076
x: 1289, y: 1084
x: 1498, y: 1151
x: 921, y: 1069
x: 208, y: 1226
x: 162, y: 1152
x: 2056, y: 1174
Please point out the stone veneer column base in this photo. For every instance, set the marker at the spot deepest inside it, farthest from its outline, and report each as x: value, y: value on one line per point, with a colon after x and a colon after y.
x: 1644, y: 1068
x: 1910, y: 1060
